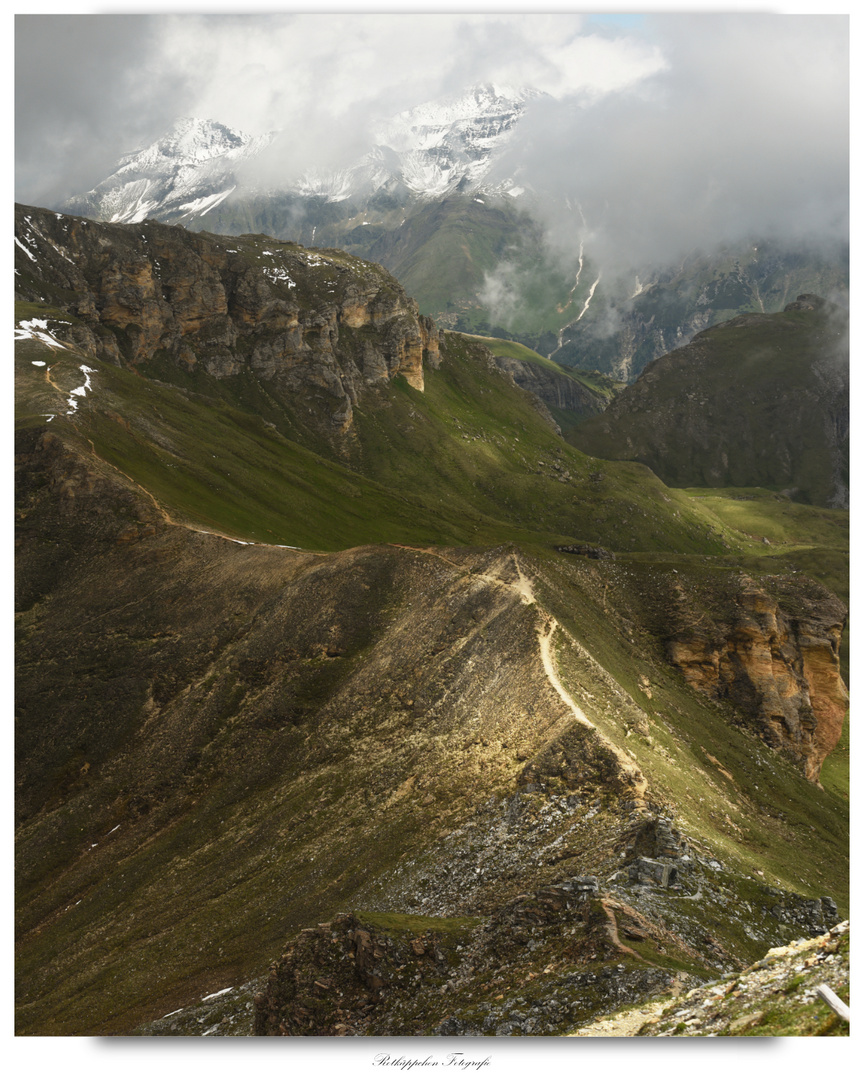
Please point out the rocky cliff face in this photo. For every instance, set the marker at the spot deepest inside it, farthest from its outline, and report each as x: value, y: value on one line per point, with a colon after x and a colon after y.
x: 558, y: 391
x: 319, y: 326
x: 780, y: 666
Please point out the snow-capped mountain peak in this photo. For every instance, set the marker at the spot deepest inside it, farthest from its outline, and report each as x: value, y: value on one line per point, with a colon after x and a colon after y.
x: 190, y: 140
x: 426, y: 152
x: 435, y: 148
x: 188, y: 170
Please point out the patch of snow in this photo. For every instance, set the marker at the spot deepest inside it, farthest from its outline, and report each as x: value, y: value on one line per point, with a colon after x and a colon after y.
x: 80, y: 391
x: 218, y: 993
x: 38, y: 363
x: 37, y: 330
x: 278, y: 275
x: 26, y: 251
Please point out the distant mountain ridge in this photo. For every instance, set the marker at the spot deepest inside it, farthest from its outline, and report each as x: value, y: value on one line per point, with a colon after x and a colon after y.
x: 437, y: 203
x: 434, y: 150
x: 759, y: 401
x: 426, y: 152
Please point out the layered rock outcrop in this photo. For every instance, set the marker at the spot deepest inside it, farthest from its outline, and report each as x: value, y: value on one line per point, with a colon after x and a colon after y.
x: 555, y: 390
x: 319, y: 326
x: 777, y: 663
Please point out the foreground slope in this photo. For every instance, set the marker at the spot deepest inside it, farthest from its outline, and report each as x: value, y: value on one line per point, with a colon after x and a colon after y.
x: 223, y: 740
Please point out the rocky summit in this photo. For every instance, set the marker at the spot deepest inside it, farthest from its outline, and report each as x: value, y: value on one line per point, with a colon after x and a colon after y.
x: 299, y: 320
x: 353, y: 700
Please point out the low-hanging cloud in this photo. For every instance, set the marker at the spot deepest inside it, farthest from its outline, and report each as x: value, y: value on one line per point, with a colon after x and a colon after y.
x: 744, y: 134
x: 681, y: 133
x: 88, y: 89
x: 91, y: 88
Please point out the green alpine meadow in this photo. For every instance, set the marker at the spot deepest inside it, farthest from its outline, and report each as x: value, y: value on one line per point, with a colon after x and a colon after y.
x: 354, y: 699
x: 432, y: 542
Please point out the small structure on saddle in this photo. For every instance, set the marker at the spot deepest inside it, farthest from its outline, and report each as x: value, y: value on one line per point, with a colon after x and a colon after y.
x: 644, y: 871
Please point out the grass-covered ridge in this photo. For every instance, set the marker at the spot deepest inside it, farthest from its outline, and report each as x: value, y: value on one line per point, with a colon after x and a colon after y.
x: 594, y: 380
x: 222, y: 743
x: 760, y: 401
x: 468, y: 460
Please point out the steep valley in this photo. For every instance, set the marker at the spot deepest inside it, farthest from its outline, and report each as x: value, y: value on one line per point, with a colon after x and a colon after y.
x: 344, y: 682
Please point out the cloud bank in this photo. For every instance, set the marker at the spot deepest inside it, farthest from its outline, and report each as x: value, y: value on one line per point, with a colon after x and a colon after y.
x: 743, y: 134
x: 662, y: 135
x: 91, y: 88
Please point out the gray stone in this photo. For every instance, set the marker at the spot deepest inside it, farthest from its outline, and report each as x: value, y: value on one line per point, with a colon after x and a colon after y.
x: 651, y: 872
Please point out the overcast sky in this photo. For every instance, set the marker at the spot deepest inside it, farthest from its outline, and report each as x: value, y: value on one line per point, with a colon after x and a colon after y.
x: 661, y: 125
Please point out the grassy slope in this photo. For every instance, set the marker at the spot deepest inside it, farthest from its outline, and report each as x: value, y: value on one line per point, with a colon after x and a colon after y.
x: 427, y: 469
x: 426, y: 466
x: 444, y: 252
x: 594, y: 380
x: 432, y: 468
x: 749, y: 379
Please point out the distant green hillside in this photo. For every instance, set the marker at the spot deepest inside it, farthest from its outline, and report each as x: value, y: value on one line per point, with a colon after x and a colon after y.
x: 761, y: 401
x: 493, y: 682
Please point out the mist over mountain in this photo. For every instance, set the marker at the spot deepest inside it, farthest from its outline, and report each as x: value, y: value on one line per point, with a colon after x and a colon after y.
x: 424, y: 153
x: 466, y: 200
x: 417, y: 633
x: 681, y: 133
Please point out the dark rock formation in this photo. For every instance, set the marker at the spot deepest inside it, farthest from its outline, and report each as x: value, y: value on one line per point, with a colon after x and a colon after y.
x: 556, y: 390
x: 590, y: 551
x: 374, y: 974
x: 322, y: 326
